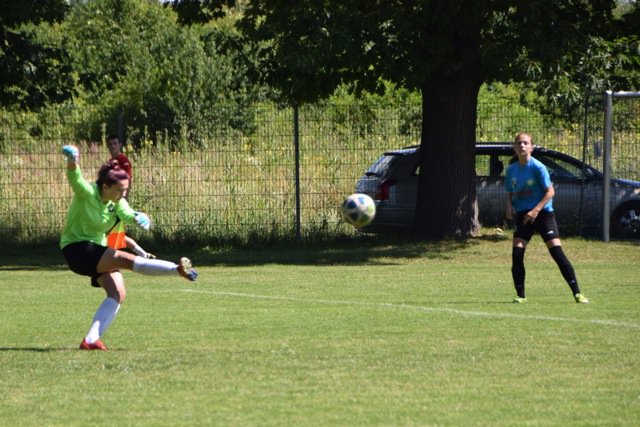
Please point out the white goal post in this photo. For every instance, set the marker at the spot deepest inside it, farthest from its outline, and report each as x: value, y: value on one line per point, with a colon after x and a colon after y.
x: 606, y: 185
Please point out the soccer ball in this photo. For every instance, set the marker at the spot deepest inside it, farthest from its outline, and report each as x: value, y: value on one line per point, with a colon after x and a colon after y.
x: 358, y: 209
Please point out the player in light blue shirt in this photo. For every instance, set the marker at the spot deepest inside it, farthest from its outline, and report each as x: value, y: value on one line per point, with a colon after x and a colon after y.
x: 530, y: 203
x: 528, y: 184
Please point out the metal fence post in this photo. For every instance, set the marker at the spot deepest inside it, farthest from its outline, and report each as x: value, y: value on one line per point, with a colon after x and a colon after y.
x: 121, y: 127
x: 606, y: 190
x: 585, y: 141
x: 296, y: 143
x: 606, y: 214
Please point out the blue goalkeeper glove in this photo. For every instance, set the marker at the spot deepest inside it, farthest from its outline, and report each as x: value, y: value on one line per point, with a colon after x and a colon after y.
x: 143, y: 221
x: 71, y: 153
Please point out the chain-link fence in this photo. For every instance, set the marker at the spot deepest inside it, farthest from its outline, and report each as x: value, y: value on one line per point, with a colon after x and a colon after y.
x: 235, y: 186
x: 621, y: 212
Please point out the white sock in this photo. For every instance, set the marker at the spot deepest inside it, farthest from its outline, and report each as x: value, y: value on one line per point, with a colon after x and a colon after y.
x: 102, y: 319
x: 138, y: 250
x: 154, y: 267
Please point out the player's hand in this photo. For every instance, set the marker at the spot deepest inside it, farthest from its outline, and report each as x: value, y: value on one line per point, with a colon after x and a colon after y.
x: 509, y: 213
x: 71, y: 153
x: 530, y: 216
x: 143, y: 221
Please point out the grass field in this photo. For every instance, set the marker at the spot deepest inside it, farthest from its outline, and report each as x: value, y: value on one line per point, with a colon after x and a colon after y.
x: 343, y: 334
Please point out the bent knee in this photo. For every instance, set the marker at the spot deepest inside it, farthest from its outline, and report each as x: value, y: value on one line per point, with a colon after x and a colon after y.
x: 519, y: 243
x: 553, y: 242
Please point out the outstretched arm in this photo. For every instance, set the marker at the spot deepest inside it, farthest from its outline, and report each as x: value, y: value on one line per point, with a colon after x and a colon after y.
x: 79, y: 185
x: 71, y: 153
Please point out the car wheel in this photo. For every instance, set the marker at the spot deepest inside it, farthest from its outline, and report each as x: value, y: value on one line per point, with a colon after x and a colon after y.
x: 625, y: 221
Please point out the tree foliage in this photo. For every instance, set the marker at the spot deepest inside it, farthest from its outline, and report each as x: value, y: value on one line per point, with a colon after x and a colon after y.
x: 34, y: 70
x: 609, y: 59
x: 444, y: 48
x: 199, y: 11
x: 318, y: 45
x: 135, y: 61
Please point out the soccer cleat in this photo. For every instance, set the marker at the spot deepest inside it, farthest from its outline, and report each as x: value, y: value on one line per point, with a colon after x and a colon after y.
x: 519, y: 300
x: 581, y: 299
x: 98, y: 345
x: 186, y: 270
x: 150, y: 256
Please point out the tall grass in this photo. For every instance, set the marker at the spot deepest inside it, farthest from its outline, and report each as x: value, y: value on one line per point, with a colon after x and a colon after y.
x: 239, y: 187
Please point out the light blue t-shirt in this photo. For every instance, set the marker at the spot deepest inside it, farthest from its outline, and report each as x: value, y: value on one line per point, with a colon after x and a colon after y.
x: 528, y: 184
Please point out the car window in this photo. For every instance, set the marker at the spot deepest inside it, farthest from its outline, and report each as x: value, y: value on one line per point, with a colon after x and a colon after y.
x: 487, y: 165
x: 559, y: 168
x: 491, y: 164
x: 380, y: 166
x: 389, y: 163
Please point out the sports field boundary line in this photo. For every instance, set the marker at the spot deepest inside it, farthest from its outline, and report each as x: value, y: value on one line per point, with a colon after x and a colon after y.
x: 470, y: 313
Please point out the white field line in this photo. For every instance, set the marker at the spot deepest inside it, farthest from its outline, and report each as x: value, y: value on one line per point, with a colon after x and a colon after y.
x: 454, y: 311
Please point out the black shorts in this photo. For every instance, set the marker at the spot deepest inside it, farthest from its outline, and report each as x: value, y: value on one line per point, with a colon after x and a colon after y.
x: 83, y: 258
x: 545, y: 224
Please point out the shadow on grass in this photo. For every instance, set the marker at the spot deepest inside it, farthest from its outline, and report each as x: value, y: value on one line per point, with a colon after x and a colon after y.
x: 344, y: 250
x: 36, y: 349
x: 42, y: 257
x: 366, y: 249
x: 356, y: 250
x: 32, y: 267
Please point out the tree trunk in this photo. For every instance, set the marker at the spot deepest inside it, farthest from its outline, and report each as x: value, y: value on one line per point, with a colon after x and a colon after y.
x: 446, y: 204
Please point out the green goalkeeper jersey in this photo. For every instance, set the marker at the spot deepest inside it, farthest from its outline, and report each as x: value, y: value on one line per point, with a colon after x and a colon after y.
x: 88, y: 217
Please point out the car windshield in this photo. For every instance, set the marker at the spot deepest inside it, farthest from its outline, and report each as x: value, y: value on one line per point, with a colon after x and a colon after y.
x: 378, y: 168
x: 384, y: 163
x: 560, y: 168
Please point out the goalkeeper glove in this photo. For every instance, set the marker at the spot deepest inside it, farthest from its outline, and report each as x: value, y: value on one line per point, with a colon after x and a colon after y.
x: 143, y: 221
x: 70, y: 152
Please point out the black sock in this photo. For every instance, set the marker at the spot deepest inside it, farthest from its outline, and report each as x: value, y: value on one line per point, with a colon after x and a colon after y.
x: 565, y: 268
x: 517, y: 270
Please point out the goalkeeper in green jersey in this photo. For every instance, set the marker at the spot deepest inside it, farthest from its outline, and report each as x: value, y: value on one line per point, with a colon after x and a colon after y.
x: 92, y: 214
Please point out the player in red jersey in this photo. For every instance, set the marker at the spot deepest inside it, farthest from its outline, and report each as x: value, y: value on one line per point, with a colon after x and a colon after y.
x: 115, y: 149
